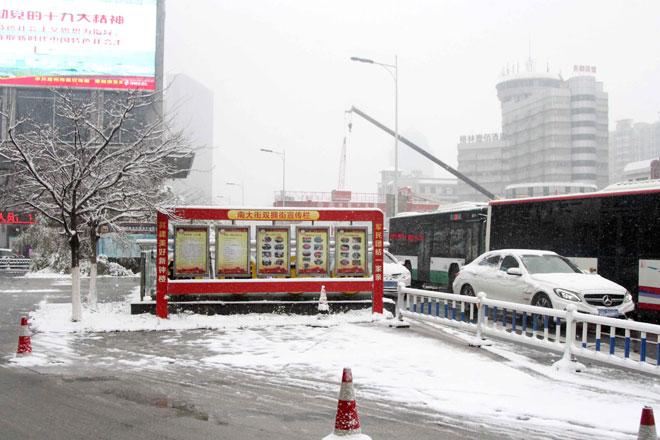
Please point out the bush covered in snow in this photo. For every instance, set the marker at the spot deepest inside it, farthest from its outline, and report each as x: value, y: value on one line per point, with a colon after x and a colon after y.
x: 50, y: 252
x: 49, y: 248
x: 105, y: 267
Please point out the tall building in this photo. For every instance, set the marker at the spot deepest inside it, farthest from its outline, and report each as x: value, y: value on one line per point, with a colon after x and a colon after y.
x: 555, y: 130
x: 554, y: 138
x: 190, y: 106
x: 480, y: 158
x: 632, y: 142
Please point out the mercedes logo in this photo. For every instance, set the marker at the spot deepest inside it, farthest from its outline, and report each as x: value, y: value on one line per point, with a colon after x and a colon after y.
x: 607, y: 301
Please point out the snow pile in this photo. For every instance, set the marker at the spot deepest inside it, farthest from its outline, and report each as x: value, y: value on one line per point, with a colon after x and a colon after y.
x: 105, y: 267
x: 112, y: 317
x: 46, y: 272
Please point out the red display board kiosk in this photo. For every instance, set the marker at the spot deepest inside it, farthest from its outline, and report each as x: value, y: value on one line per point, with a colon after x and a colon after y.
x: 268, y: 216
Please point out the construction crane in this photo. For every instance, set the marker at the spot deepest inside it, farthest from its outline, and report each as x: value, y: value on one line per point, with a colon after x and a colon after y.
x: 424, y: 153
x: 342, y: 158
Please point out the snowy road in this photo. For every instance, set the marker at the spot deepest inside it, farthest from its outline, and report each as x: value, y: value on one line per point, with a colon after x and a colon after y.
x: 282, y: 374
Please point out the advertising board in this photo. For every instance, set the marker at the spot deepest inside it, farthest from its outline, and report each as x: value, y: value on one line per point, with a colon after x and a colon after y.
x: 94, y: 44
x: 16, y: 218
x: 191, y: 250
x: 273, y: 251
x: 232, y: 251
x: 351, y: 251
x: 312, y: 250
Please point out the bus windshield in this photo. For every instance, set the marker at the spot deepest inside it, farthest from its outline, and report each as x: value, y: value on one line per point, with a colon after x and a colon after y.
x: 548, y: 264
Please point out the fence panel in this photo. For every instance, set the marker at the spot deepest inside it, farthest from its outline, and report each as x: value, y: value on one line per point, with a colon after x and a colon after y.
x: 618, y: 342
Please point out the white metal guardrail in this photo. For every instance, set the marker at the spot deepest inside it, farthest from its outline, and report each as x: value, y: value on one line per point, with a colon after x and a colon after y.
x: 14, y: 263
x: 618, y: 342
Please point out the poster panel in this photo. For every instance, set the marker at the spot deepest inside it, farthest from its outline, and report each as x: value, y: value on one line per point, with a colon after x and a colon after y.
x: 312, y: 245
x: 191, y: 250
x: 351, y: 251
x: 273, y: 251
x: 232, y: 251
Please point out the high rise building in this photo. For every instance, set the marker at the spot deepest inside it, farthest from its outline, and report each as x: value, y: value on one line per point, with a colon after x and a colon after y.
x: 554, y: 137
x: 632, y: 142
x: 480, y: 158
x: 555, y: 130
x: 190, y: 105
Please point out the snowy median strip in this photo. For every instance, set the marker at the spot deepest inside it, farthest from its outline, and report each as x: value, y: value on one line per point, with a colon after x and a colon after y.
x: 114, y: 317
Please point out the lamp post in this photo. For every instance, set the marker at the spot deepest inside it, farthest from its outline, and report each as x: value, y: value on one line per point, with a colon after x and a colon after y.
x: 242, y: 190
x: 393, y: 70
x: 282, y: 154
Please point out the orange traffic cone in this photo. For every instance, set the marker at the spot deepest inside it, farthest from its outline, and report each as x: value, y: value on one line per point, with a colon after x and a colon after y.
x: 24, y: 343
x: 347, y: 422
x: 647, y: 425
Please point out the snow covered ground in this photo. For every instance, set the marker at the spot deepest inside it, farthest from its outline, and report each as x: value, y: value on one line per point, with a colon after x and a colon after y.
x: 502, y: 386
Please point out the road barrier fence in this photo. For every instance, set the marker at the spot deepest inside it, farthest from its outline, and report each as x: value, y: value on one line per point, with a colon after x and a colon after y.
x: 619, y: 342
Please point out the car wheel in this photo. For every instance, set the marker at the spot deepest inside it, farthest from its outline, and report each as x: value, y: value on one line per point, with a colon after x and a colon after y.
x: 467, y: 290
x: 541, y: 300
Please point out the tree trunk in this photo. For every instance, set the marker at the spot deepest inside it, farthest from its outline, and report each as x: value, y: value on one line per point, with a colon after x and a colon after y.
x: 92, y: 297
x: 74, y: 243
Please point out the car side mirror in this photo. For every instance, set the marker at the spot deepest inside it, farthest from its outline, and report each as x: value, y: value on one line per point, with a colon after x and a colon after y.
x: 514, y: 271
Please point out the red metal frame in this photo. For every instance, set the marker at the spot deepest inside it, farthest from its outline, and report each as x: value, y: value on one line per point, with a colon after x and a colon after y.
x: 164, y: 286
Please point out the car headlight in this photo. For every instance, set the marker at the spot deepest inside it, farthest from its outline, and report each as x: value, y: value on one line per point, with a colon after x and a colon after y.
x: 627, y: 297
x: 567, y: 295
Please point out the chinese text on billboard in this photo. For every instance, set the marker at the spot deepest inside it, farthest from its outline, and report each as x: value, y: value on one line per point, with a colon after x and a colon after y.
x: 99, y: 44
x: 232, y: 250
x: 190, y: 250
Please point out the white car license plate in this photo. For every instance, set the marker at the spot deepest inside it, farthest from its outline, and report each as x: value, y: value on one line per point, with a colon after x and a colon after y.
x: 390, y: 285
x: 608, y: 312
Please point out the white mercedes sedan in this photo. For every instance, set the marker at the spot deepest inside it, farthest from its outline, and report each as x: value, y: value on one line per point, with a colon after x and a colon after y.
x: 542, y: 278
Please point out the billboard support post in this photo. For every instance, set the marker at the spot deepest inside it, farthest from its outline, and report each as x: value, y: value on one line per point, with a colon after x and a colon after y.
x: 162, y: 227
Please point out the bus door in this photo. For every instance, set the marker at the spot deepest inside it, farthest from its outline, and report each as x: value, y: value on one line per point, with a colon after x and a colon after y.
x: 425, y: 247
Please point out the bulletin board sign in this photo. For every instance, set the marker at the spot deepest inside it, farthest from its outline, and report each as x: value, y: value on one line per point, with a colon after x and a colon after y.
x: 273, y: 251
x: 351, y: 251
x: 312, y: 245
x: 191, y: 250
x: 232, y: 251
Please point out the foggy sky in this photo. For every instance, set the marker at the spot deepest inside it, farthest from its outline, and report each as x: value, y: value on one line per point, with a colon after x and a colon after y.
x: 282, y: 78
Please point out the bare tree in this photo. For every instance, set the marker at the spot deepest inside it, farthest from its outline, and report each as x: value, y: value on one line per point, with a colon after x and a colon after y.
x: 97, y: 160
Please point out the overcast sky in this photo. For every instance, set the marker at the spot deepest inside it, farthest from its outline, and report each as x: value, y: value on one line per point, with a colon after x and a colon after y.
x: 281, y: 75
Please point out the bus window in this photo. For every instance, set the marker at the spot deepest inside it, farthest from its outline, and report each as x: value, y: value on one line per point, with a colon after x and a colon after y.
x: 457, y: 241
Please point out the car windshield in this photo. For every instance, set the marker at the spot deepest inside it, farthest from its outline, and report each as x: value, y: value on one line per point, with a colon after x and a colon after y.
x: 548, y: 264
x: 389, y: 258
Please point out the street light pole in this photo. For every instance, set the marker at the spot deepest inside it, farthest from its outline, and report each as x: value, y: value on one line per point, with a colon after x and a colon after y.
x: 242, y: 190
x: 282, y: 154
x: 393, y: 70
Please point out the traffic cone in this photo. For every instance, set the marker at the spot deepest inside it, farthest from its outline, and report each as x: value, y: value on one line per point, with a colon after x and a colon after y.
x: 323, y: 307
x: 647, y: 425
x: 347, y: 422
x: 24, y: 343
